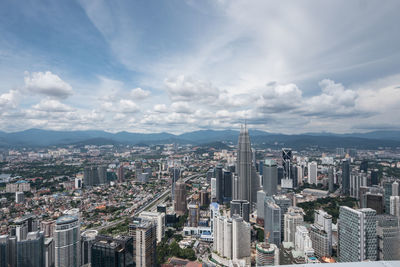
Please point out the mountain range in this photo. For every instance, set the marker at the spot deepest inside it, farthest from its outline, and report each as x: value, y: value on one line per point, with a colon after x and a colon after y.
x: 42, y: 138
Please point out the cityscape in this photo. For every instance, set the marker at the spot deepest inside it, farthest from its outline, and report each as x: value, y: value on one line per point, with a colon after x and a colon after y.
x: 199, y: 133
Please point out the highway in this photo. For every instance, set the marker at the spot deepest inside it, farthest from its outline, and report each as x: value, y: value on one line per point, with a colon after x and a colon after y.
x: 154, y: 202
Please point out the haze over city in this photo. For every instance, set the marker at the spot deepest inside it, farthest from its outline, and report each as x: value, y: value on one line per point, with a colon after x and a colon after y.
x: 188, y: 133
x: 178, y: 66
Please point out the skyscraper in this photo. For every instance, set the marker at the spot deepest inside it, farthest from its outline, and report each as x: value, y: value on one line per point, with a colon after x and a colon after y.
x: 120, y: 173
x: 331, y: 180
x: 346, y: 177
x: 88, y: 238
x: 30, y: 251
x: 112, y: 252
x: 194, y: 215
x: 159, y: 219
x: 283, y: 203
x: 267, y: 254
x: 357, y: 234
x: 219, y: 176
x: 395, y: 206
x: 241, y: 238
x: 248, y: 182
x: 312, y: 172
x: 144, y: 242
x: 321, y: 234
x: 286, y: 162
x: 292, y: 219
x: 180, y: 205
x: 228, y: 183
x: 272, y: 221
x: 270, y: 177
x: 241, y: 208
x: 388, y: 232
x: 67, y: 242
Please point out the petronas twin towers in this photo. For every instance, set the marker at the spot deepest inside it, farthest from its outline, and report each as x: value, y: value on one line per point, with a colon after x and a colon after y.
x: 247, y: 182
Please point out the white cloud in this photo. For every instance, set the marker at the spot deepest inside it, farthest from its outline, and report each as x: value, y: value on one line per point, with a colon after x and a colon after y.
x: 184, y: 88
x: 52, y: 105
x: 160, y: 108
x: 139, y: 93
x: 47, y: 83
x: 9, y: 99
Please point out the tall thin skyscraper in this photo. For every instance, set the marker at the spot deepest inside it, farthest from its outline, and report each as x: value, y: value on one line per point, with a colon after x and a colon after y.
x: 248, y: 182
x: 312, y: 172
x: 270, y: 174
x: 346, y: 177
x: 219, y: 176
x: 180, y: 203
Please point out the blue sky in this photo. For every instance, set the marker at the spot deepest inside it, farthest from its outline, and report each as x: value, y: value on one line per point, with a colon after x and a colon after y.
x: 176, y: 66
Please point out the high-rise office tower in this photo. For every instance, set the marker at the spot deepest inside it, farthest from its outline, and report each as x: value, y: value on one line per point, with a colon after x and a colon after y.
x: 228, y: 184
x: 286, y: 162
x: 395, y: 206
x: 284, y: 203
x: 321, y: 234
x: 4, y: 251
x: 293, y: 218
x: 180, y: 198
x: 260, y: 206
x: 287, y: 181
x: 395, y: 188
x: 107, y: 251
x: 364, y: 166
x: 204, y: 198
x: 144, y: 237
x: 312, y: 172
x: 194, y: 215
x: 241, y: 238
x: 248, y: 181
x: 272, y: 221
x: 67, y: 242
x: 300, y: 175
x: 120, y: 173
x: 88, y: 238
x: 159, y: 219
x: 30, y: 251
x: 102, y: 174
x: 219, y: 176
x: 331, y: 180
x: 210, y: 174
x: 294, y: 175
x: 375, y: 177
x: 49, y: 252
x: 357, y: 234
x: 270, y: 177
x: 228, y: 235
x: 388, y: 232
x: 374, y: 201
x: 346, y: 177
x: 24, y: 225
x: 387, y: 186
x: 175, y: 175
x: 241, y: 208
x: 267, y: 254
x: 357, y: 180
x: 213, y: 188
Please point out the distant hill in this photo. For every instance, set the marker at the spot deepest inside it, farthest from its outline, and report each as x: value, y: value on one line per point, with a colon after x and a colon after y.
x: 42, y: 138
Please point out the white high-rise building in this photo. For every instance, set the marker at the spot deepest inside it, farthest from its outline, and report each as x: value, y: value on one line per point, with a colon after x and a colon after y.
x: 159, y: 219
x: 300, y: 175
x: 312, y: 172
x: 228, y: 238
x: 241, y: 238
x: 213, y: 188
x: 303, y: 241
x: 395, y: 188
x: 395, y: 206
x: 293, y: 218
x: 321, y: 234
x: 67, y: 242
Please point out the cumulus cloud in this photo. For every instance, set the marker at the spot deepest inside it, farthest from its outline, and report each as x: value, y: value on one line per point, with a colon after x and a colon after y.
x: 47, y: 83
x: 278, y: 98
x: 52, y: 105
x: 139, y: 93
x: 9, y: 99
x: 160, y: 108
x: 184, y: 88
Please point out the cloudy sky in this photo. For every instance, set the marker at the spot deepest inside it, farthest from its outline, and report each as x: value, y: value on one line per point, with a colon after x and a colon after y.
x: 177, y: 66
